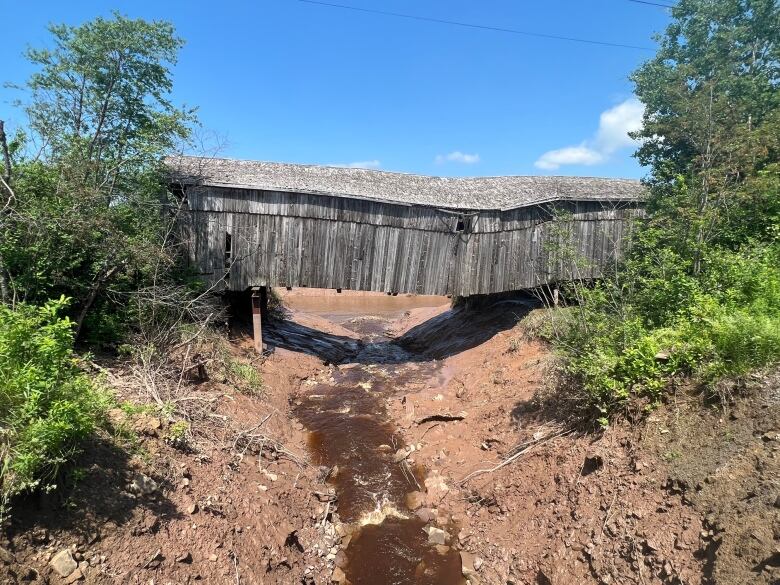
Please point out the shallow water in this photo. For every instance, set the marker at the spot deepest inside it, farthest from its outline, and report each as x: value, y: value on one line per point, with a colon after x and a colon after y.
x: 351, y: 434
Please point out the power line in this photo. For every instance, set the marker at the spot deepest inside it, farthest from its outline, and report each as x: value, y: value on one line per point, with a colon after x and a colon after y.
x: 652, y: 3
x: 474, y: 26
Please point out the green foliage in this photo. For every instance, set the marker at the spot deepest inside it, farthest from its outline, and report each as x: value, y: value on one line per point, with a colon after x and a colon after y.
x: 244, y: 376
x: 48, y: 406
x: 91, y: 217
x: 620, y: 344
x: 698, y: 294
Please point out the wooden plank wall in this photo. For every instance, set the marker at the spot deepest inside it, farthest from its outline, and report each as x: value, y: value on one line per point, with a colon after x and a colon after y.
x: 296, y: 239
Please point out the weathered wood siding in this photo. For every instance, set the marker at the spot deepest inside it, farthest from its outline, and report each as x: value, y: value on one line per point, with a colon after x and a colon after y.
x: 298, y: 239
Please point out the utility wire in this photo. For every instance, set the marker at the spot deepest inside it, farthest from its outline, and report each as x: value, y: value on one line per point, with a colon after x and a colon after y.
x: 474, y: 26
x: 652, y: 3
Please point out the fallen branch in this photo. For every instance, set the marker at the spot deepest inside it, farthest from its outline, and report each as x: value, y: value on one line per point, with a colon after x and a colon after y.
x: 246, y: 439
x: 523, y: 450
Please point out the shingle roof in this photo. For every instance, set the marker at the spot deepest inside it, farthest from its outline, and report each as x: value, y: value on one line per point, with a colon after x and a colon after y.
x: 467, y: 193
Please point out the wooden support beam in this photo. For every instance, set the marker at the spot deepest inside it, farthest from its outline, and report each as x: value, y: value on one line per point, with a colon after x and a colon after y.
x: 257, y: 318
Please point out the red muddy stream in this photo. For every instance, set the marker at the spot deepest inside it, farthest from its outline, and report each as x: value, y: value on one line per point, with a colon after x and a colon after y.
x: 370, y: 466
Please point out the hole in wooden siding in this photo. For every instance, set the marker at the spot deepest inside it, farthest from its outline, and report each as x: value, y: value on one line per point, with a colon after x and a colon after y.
x: 228, y: 249
x: 461, y: 225
x: 178, y: 191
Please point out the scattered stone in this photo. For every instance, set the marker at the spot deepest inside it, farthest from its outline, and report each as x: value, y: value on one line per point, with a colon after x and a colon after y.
x: 192, y: 508
x: 147, y: 425
x: 338, y: 576
x: 269, y: 475
x: 425, y: 514
x: 76, y: 575
x: 403, y: 453
x: 436, y: 535
x: 6, y: 557
x: 155, y: 560
x: 63, y: 563
x: 40, y: 536
x: 184, y: 558
x: 213, y: 558
x: 478, y: 563
x: 143, y: 485
x: 415, y: 500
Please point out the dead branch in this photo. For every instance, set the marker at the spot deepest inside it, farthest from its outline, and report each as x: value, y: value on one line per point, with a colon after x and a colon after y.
x: 521, y: 451
x: 250, y: 438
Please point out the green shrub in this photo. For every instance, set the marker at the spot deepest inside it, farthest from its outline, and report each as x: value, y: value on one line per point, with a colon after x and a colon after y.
x: 48, y: 406
x: 630, y: 342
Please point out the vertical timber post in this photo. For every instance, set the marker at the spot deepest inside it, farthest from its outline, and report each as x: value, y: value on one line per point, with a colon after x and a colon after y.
x: 257, y: 318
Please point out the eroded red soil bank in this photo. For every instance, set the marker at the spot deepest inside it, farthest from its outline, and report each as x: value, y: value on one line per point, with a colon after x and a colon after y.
x: 688, y: 496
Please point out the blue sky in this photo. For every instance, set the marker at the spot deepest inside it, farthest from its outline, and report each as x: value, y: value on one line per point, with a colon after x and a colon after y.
x: 291, y: 81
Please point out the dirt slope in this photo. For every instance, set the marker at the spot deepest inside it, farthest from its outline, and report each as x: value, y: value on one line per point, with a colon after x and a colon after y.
x: 690, y: 496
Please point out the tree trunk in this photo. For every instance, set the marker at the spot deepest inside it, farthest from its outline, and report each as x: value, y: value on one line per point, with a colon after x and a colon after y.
x: 97, y: 284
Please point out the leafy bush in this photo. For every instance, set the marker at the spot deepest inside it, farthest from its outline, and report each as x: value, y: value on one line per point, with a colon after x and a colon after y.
x: 48, y: 406
x: 623, y: 342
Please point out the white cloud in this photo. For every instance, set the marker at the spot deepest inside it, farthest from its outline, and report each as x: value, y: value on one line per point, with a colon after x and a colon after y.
x: 458, y: 157
x: 612, y: 135
x: 617, y: 122
x: 570, y: 155
x: 361, y: 164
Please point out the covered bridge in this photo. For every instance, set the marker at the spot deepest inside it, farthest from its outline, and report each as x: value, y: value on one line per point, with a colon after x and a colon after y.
x: 257, y: 224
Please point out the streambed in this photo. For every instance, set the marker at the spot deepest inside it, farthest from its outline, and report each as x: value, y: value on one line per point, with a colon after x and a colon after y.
x: 369, y: 465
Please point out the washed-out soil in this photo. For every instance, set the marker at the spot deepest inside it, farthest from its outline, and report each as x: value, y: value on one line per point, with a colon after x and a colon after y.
x: 689, y: 494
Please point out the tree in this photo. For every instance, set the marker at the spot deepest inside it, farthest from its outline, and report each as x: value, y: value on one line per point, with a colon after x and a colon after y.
x: 698, y: 293
x: 712, y: 123
x: 88, y: 202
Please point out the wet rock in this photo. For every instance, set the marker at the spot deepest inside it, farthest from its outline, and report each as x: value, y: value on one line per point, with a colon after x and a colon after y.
x: 467, y: 563
x: 63, y: 563
x: 441, y: 417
